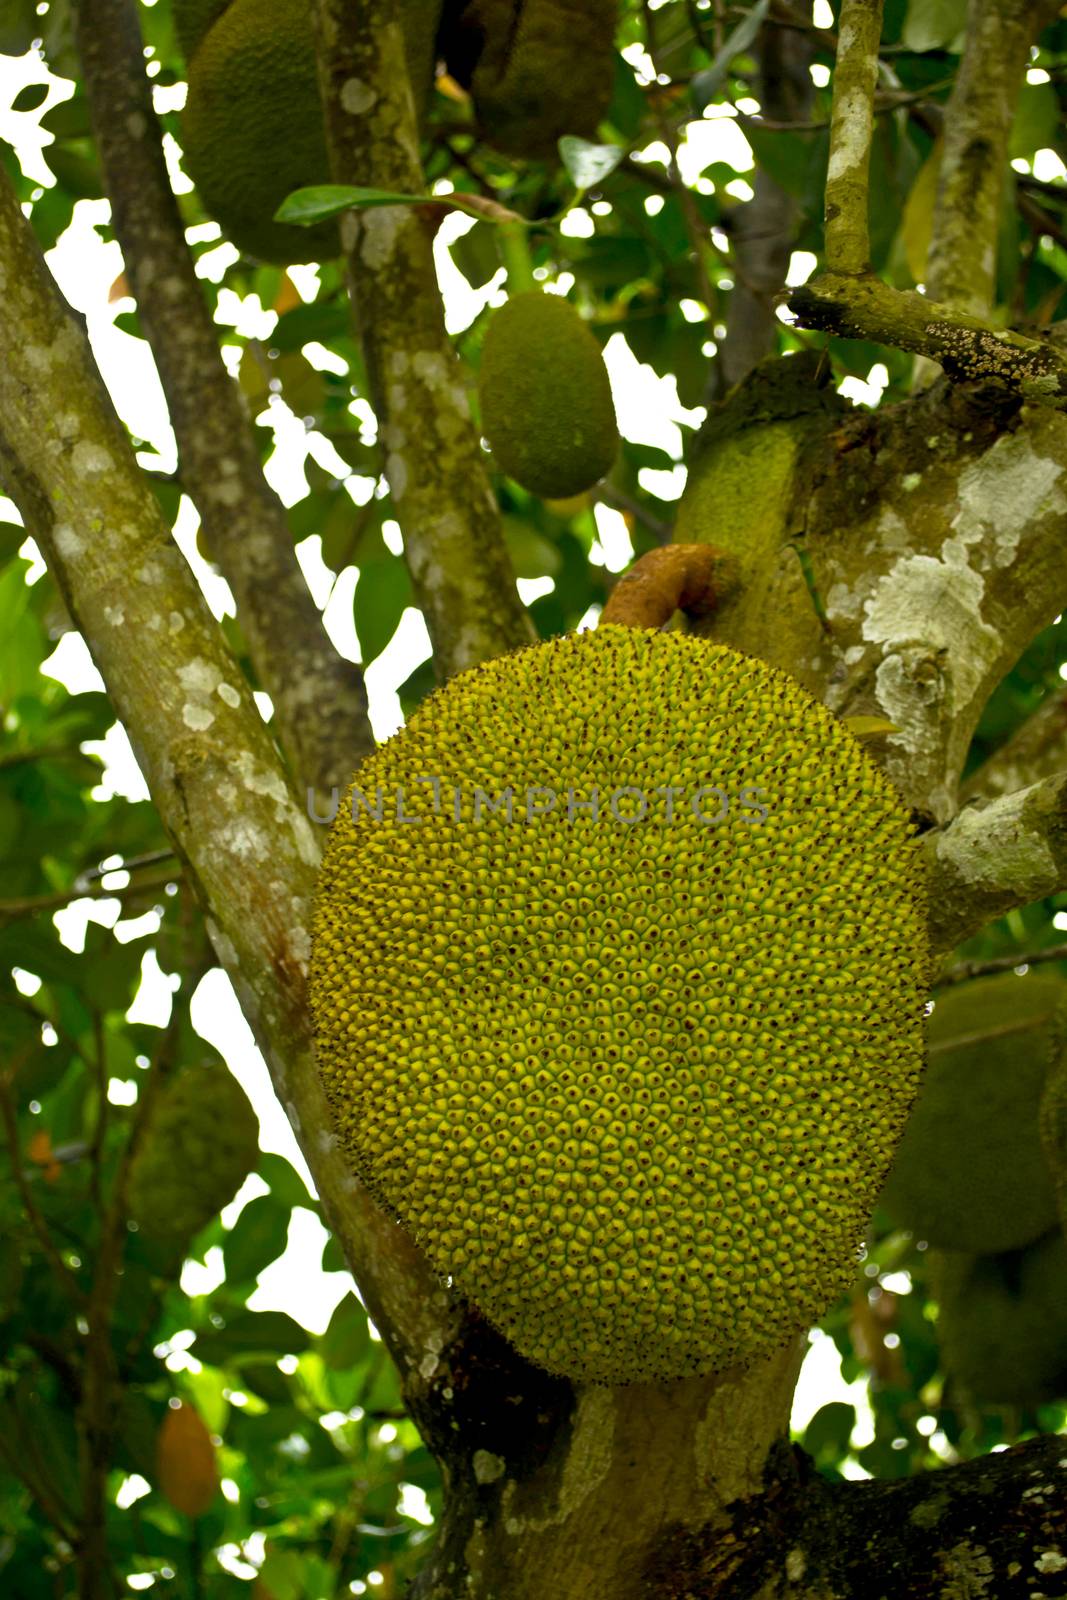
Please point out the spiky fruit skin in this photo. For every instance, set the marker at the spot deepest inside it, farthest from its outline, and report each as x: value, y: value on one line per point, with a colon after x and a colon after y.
x: 633, y: 1086
x: 200, y: 1146
x: 545, y: 397
x: 192, y: 19
x: 253, y: 124
x: 1002, y: 1322
x: 969, y: 1173
x: 253, y: 127
x: 535, y: 71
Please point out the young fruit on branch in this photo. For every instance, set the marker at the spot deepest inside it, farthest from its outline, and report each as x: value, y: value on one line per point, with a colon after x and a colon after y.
x: 200, y: 1145
x: 545, y: 397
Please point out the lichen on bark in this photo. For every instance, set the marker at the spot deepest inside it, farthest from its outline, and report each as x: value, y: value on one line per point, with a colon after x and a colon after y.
x: 441, y: 494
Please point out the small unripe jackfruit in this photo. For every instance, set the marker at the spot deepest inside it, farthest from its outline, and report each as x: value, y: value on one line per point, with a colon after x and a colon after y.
x: 200, y: 1145
x: 536, y: 70
x: 969, y: 1173
x: 545, y: 397
x: 628, y: 1052
x: 1002, y: 1322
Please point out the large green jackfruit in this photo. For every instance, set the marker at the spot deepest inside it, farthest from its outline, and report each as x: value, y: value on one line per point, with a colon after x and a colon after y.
x: 1002, y: 1322
x: 969, y: 1173
x: 630, y: 1075
x: 545, y: 397
x: 192, y: 19
x: 252, y: 126
x: 536, y: 69
x: 199, y: 1147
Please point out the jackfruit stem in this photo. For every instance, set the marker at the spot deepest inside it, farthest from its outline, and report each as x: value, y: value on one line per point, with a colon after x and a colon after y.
x: 515, y: 249
x: 691, y: 578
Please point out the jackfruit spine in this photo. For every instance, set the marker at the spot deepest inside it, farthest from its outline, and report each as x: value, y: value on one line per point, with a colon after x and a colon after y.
x: 631, y: 1084
x: 200, y: 1145
x: 545, y: 397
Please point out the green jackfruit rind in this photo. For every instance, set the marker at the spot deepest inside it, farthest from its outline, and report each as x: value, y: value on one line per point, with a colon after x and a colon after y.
x: 969, y: 1173
x: 192, y: 19
x: 633, y: 1087
x: 536, y: 71
x: 253, y: 126
x: 545, y: 397
x: 1002, y: 1322
x: 1052, y: 1116
x: 201, y: 1144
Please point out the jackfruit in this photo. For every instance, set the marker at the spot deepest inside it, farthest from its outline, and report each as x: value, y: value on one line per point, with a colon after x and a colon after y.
x: 192, y: 19
x: 536, y: 69
x: 1052, y: 1126
x: 630, y: 1075
x: 1002, y: 1322
x: 252, y: 125
x: 545, y: 397
x: 969, y: 1173
x: 200, y: 1145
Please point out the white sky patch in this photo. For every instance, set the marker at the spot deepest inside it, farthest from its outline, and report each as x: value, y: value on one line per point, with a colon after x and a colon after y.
x: 218, y: 1018
x: 462, y: 303
x: 613, y: 547
x: 820, y: 1382
x: 409, y: 646
x: 647, y: 406
x: 71, y: 665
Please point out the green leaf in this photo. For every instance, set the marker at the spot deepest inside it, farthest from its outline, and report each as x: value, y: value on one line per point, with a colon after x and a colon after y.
x: 304, y: 207
x: 383, y: 592
x: 477, y: 254
x: 830, y: 1429
x: 935, y: 25
x: 76, y: 168
x: 333, y: 1257
x: 1037, y: 115
x: 706, y: 85
x: 587, y: 163
x: 19, y: 26
x: 286, y: 1184
x: 346, y: 1339
x: 247, y: 1332
x: 68, y: 119
x: 257, y: 1238
x: 30, y: 97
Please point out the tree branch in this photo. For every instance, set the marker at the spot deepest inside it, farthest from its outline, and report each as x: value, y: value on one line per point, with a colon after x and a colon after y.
x: 1037, y: 749
x: 964, y: 971
x: 969, y: 350
x: 250, y: 851
x: 320, y: 704
x: 763, y: 234
x: 448, y: 515
x: 993, y: 856
x: 961, y: 264
x: 847, y: 247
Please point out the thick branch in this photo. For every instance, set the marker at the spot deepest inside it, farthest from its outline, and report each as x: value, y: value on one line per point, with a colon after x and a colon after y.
x: 320, y: 705
x: 993, y: 856
x: 961, y: 265
x: 249, y: 848
x: 1037, y: 749
x: 969, y: 350
x: 763, y: 234
x: 847, y: 246
x: 453, y: 542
